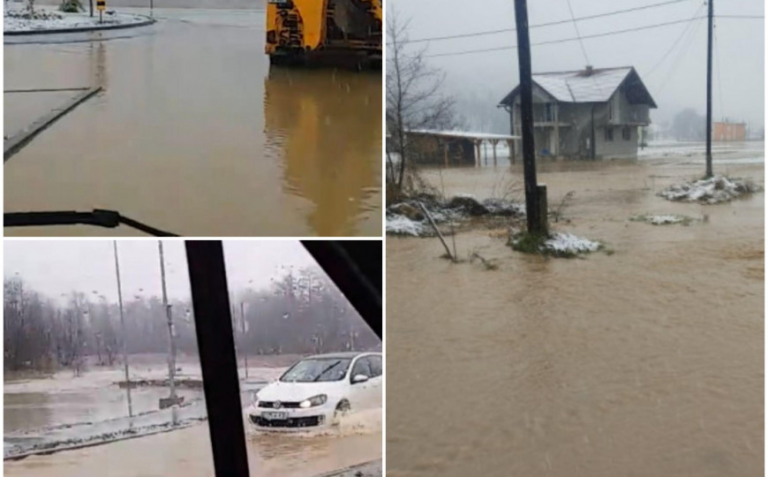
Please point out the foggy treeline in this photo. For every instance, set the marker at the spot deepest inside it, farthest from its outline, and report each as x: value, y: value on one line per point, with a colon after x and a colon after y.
x: 301, y: 313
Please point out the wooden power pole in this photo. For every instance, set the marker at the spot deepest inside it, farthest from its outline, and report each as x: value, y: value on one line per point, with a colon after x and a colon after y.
x: 709, y: 88
x: 533, y: 208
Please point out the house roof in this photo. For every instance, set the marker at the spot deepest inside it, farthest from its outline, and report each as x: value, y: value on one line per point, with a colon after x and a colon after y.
x: 480, y: 136
x: 595, y: 87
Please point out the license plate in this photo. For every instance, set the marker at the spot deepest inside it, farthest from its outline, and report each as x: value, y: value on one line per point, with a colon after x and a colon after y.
x: 274, y: 415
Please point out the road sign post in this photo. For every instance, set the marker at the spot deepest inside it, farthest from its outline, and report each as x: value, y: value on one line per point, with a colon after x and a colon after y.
x: 101, y: 5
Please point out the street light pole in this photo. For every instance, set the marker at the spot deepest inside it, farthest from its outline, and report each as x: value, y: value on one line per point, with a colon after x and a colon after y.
x: 122, y: 331
x: 245, y: 346
x: 171, y: 333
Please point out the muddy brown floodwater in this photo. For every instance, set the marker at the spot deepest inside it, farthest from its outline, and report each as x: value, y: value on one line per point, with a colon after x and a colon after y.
x: 187, y: 453
x: 646, y: 362
x: 195, y: 133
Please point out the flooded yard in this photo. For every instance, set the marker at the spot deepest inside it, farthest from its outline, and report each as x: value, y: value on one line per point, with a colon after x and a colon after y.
x: 194, y: 132
x: 647, y: 360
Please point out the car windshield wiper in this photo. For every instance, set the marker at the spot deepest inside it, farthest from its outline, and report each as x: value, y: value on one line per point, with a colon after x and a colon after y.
x: 326, y: 370
x: 98, y: 217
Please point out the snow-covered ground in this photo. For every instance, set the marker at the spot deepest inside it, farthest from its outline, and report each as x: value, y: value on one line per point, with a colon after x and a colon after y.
x: 714, y: 190
x: 50, y: 18
x: 733, y: 152
x: 401, y: 225
x: 569, y: 244
x: 65, y: 381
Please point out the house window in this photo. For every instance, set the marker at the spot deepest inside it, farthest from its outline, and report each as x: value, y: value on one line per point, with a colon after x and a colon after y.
x: 548, y: 116
x: 609, y: 134
x: 626, y: 133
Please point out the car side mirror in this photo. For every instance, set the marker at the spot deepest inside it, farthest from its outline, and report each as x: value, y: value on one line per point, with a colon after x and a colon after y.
x: 360, y: 378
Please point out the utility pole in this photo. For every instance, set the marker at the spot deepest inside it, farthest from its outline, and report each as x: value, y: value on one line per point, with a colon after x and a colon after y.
x: 171, y: 333
x: 709, y: 88
x: 532, y: 205
x: 122, y: 330
x: 245, y: 351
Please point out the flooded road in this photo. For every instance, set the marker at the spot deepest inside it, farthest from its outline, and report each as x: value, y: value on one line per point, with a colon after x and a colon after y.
x: 195, y: 133
x: 644, y: 362
x: 187, y: 453
x: 66, y: 410
x: 30, y: 411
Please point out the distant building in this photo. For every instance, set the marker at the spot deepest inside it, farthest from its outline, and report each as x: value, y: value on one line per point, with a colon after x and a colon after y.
x: 590, y: 113
x: 726, y: 131
x: 454, y: 148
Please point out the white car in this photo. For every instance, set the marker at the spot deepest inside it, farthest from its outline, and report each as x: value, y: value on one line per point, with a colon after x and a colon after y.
x: 318, y: 390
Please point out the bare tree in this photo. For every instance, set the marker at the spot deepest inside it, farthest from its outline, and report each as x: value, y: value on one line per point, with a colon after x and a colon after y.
x: 414, y: 97
x: 300, y: 312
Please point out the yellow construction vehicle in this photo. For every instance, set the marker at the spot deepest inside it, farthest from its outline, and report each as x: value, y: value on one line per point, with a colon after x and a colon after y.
x: 300, y: 31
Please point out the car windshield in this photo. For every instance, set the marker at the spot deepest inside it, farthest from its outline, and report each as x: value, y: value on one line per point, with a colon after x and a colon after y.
x: 317, y: 369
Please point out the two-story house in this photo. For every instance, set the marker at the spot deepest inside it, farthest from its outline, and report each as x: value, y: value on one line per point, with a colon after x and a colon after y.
x: 590, y: 113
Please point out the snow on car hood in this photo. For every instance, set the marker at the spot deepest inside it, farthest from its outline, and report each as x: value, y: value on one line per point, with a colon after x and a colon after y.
x: 295, y: 392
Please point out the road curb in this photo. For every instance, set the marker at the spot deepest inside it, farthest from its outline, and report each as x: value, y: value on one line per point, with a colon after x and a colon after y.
x: 86, y: 445
x: 369, y: 468
x: 147, y: 22
x: 23, y: 137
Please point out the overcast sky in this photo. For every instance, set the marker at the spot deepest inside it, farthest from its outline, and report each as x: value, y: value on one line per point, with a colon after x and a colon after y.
x: 678, y: 82
x: 56, y: 267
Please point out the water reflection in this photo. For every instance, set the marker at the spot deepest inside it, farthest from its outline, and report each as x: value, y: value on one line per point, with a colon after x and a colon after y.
x: 196, y: 134
x: 328, y: 126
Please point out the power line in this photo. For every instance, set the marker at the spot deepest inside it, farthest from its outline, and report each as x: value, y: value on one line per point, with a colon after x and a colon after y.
x: 564, y: 40
x: 578, y: 35
x: 681, y: 55
x: 685, y: 30
x: 751, y: 17
x: 541, y: 25
x: 719, y: 66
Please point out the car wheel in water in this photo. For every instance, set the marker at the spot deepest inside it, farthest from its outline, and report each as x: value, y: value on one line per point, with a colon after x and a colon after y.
x: 342, y: 409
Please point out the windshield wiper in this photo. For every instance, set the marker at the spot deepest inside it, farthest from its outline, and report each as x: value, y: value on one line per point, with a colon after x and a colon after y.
x: 98, y: 217
x: 326, y: 370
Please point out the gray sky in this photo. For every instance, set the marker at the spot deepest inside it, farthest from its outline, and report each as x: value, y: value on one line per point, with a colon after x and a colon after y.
x: 56, y: 267
x: 678, y: 82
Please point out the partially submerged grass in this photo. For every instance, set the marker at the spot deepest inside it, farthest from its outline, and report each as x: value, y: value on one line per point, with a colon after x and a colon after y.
x: 560, y: 245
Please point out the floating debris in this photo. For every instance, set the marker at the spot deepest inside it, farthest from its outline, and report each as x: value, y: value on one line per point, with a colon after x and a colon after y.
x: 668, y: 219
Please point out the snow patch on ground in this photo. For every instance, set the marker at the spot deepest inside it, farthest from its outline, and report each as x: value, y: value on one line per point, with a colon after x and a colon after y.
x: 16, y: 19
x: 408, y: 218
x: 401, y: 225
x: 569, y: 244
x: 65, y: 381
x: 714, y: 190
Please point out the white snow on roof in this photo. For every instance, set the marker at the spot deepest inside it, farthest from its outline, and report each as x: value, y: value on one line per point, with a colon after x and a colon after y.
x: 466, y: 134
x: 575, y: 87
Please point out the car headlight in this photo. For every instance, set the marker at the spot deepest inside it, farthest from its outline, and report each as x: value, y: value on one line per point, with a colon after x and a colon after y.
x: 318, y: 400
